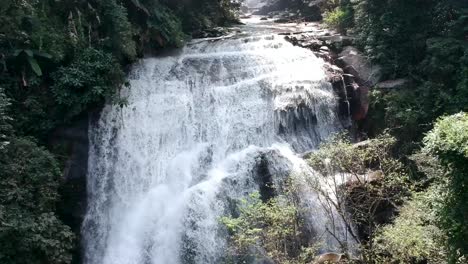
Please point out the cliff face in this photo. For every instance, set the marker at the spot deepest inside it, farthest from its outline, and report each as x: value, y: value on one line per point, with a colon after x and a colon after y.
x: 73, y: 140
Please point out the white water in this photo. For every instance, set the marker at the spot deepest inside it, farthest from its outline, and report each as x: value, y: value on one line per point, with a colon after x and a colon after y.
x: 162, y: 168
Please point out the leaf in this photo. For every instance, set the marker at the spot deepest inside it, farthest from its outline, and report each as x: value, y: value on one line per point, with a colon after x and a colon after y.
x: 5, y: 4
x: 29, y: 52
x: 35, y: 66
x: 140, y: 6
x: 42, y: 54
x: 17, y: 52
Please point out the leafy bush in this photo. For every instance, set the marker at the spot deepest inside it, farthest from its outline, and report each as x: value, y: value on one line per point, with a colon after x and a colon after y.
x: 5, y: 126
x: 367, y: 182
x: 448, y: 141
x: 393, y: 33
x: 92, y: 77
x: 119, y: 29
x: 339, y: 155
x: 414, y: 236
x: 340, y: 18
x: 271, y: 228
x: 164, y: 21
x: 29, y: 230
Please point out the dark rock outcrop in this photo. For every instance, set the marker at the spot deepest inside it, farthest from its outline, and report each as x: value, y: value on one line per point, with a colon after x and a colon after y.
x: 72, y: 142
x: 362, y: 193
x: 357, y: 64
x: 362, y: 75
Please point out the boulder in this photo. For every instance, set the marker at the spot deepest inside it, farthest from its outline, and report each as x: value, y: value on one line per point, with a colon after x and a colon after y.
x: 360, y: 103
x: 357, y: 64
x: 324, y: 48
x: 307, y: 41
x: 393, y: 84
x: 336, y: 41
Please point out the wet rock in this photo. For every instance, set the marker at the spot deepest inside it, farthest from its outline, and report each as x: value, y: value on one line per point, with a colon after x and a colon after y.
x: 357, y: 64
x: 307, y: 41
x: 211, y: 33
x: 362, y: 75
x: 72, y: 141
x: 393, y: 84
x: 359, y: 102
x: 324, y: 48
x: 336, y: 41
x: 283, y: 20
x: 264, y: 18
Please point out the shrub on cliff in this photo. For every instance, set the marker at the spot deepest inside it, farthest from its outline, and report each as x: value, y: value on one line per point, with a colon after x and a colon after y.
x: 367, y: 183
x: 90, y: 78
x: 30, y: 232
x: 414, y: 235
x: 448, y: 142
x: 267, y: 229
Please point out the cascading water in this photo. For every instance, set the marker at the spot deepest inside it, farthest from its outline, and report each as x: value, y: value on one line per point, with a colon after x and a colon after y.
x: 195, y: 127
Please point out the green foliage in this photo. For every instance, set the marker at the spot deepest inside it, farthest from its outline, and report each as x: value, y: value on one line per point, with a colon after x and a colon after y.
x: 401, y: 114
x: 423, y: 41
x: 339, y: 155
x: 58, y: 60
x: 119, y: 29
x: 164, y: 20
x: 367, y: 181
x: 414, y: 235
x: 5, y: 126
x: 448, y: 141
x: 393, y: 33
x: 90, y: 78
x: 272, y: 227
x: 341, y: 18
x: 29, y: 230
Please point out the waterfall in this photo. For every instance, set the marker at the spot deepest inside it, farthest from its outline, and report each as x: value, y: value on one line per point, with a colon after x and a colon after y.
x: 161, y: 169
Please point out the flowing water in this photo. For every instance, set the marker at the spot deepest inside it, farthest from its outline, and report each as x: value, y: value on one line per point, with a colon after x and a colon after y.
x: 198, y: 123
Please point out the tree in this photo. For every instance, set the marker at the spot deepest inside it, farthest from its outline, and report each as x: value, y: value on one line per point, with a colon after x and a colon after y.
x: 29, y: 229
x: 413, y: 236
x: 448, y: 141
x: 5, y: 127
x: 270, y: 229
x: 366, y: 183
x: 92, y: 77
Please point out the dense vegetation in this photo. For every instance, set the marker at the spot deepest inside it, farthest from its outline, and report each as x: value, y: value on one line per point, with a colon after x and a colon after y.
x: 426, y: 43
x: 60, y: 59
x: 408, y: 190
x: 272, y: 226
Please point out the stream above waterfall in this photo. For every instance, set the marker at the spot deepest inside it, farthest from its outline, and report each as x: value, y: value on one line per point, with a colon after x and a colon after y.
x: 163, y: 168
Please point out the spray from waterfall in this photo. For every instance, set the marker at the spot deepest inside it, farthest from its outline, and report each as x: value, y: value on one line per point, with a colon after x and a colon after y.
x: 162, y: 169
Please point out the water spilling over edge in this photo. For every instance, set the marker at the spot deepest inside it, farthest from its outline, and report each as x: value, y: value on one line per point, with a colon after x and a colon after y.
x: 161, y: 169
